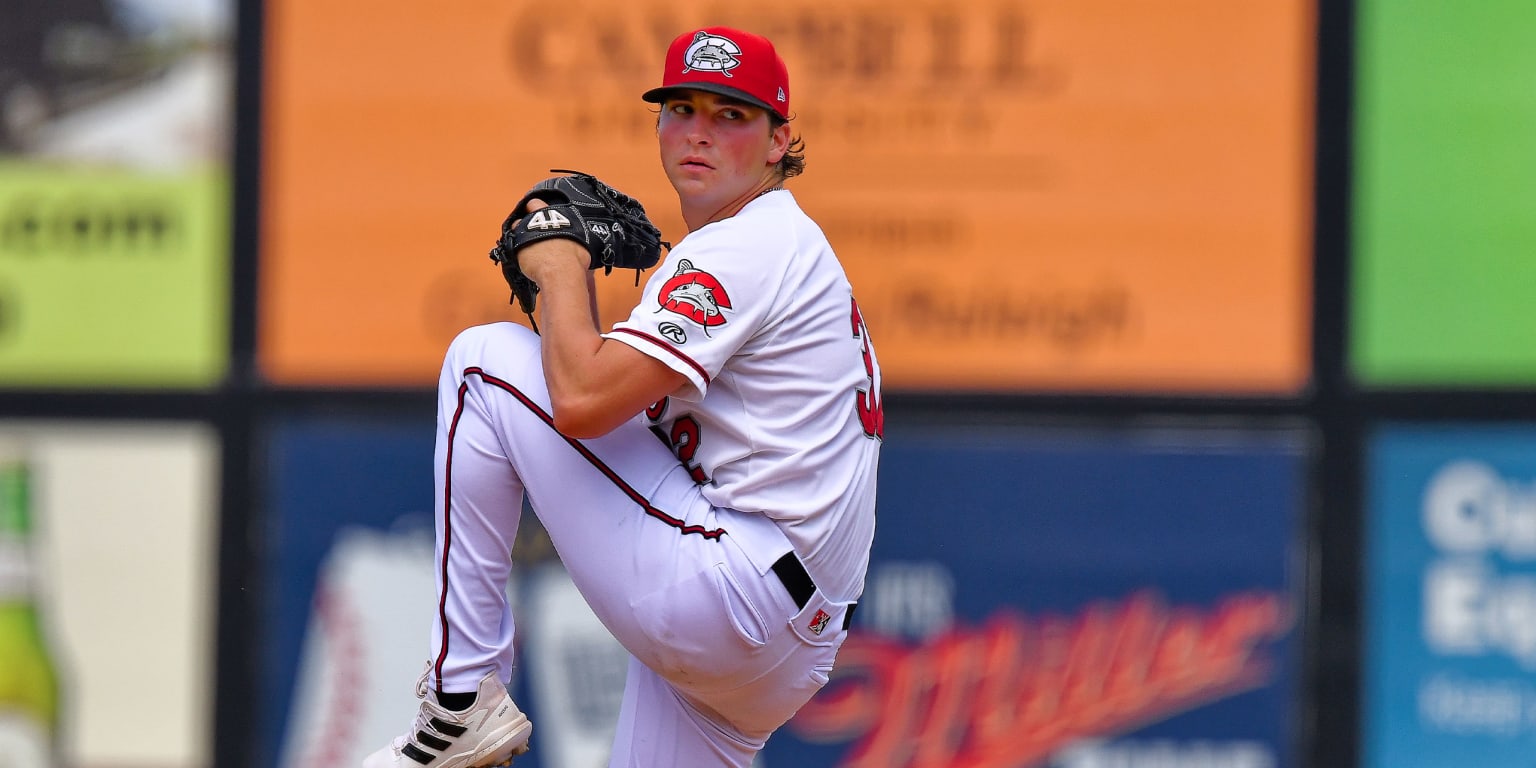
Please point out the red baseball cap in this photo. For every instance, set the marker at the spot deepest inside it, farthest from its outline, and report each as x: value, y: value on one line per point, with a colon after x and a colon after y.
x: 729, y: 62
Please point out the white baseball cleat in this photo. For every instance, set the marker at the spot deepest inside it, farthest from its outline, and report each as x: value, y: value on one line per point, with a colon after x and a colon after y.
x: 490, y: 733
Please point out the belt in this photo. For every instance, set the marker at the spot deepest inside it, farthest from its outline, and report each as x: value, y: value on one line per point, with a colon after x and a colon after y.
x: 790, y: 571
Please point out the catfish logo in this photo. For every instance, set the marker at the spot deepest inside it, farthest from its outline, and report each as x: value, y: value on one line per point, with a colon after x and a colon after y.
x: 711, y: 53
x: 696, y: 295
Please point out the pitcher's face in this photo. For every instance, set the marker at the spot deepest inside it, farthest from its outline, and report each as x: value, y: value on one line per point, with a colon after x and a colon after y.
x: 715, y: 149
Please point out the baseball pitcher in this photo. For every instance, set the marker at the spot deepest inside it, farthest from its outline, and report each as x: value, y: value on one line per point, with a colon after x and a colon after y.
x: 705, y: 469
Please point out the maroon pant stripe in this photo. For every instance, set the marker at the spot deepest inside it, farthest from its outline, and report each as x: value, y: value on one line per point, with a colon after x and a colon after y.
x: 638, y: 498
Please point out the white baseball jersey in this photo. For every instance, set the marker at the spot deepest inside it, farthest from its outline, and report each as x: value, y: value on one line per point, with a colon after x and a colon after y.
x: 771, y: 446
x: 753, y: 309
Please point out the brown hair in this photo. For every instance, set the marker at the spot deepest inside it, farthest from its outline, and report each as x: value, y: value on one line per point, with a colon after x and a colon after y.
x: 793, y: 161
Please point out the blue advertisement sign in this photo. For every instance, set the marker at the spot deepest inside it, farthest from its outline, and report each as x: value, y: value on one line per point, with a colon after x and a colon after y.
x: 1066, y: 598
x: 1450, y: 642
x: 350, y: 594
x: 326, y: 482
x: 1072, y: 598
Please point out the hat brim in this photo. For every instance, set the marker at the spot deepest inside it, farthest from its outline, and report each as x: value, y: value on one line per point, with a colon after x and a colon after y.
x: 658, y: 95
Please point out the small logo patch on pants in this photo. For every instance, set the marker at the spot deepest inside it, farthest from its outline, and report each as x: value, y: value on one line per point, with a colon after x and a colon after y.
x: 819, y: 622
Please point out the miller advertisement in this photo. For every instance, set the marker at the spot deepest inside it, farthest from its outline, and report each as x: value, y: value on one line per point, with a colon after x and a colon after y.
x: 1037, y: 598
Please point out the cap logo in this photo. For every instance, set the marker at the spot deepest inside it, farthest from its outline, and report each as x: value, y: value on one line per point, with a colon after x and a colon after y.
x: 781, y: 95
x: 711, y: 53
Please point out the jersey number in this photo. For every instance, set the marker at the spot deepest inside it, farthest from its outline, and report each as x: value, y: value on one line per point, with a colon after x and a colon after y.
x: 682, y: 439
x: 867, y: 401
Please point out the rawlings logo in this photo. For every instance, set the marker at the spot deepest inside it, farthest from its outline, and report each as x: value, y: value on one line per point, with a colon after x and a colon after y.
x: 696, y: 295
x: 711, y: 53
x: 672, y: 332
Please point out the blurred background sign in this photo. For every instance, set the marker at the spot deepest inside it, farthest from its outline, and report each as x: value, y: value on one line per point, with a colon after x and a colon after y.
x: 1065, y: 597
x: 123, y: 535
x: 114, y: 193
x: 1073, y: 598
x: 1444, y: 235
x: 1449, y: 652
x: 1043, y: 196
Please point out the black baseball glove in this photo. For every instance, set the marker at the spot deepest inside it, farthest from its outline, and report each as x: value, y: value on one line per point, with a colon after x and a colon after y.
x: 611, y: 225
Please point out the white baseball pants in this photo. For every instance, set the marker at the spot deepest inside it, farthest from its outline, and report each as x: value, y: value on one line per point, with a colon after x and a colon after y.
x: 721, y: 653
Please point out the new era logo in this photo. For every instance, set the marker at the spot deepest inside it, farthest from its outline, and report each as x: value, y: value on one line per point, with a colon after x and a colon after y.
x: 819, y: 622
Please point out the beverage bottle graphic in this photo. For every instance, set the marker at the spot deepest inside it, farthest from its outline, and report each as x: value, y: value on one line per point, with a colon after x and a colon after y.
x: 29, y: 694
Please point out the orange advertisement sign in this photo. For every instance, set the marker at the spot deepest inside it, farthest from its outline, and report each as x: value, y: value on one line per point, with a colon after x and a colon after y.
x: 1062, y: 195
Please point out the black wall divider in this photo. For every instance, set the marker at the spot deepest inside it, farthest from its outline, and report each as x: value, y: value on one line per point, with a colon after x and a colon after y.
x: 1330, y: 705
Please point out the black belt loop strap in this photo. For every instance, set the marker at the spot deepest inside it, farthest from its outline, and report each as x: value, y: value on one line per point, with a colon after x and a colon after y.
x: 795, y: 579
x: 801, y: 588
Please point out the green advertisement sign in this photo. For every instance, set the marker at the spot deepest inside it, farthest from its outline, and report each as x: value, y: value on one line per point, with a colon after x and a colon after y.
x: 115, y: 193
x: 1444, y: 224
x: 112, y: 278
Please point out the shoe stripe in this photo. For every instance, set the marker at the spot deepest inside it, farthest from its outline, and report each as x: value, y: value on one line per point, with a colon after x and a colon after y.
x: 410, y: 750
x: 447, y: 728
x: 433, y: 741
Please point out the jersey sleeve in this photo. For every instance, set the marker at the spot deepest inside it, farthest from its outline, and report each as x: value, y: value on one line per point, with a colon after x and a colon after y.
x: 708, y: 299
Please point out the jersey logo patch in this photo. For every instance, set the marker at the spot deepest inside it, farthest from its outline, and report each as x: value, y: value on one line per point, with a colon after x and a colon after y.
x: 696, y: 295
x: 819, y: 622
